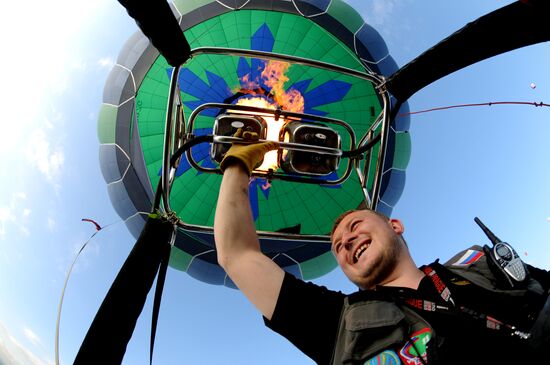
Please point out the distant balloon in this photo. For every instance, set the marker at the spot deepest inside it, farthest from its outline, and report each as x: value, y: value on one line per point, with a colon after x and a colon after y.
x: 533, y: 85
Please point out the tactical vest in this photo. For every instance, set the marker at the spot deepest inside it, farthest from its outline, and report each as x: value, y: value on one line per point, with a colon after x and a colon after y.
x: 376, y: 323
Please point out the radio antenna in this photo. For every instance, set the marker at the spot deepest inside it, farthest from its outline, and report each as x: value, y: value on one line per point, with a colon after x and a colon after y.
x: 494, y: 239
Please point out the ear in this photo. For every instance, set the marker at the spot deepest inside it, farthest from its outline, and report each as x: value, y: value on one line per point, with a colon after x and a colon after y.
x: 397, y: 226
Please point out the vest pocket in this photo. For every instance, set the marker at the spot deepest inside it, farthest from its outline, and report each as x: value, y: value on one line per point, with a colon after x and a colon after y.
x: 368, y: 329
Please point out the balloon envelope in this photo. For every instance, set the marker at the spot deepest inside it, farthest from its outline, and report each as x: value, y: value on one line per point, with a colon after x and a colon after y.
x: 132, y: 123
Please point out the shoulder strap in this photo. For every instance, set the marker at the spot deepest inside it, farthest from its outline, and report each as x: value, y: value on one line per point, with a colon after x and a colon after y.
x: 433, y: 271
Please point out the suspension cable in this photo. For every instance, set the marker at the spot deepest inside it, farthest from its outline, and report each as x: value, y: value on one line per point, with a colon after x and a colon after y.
x: 532, y: 103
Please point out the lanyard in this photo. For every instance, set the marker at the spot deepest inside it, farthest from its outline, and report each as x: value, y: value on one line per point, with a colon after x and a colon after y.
x: 445, y: 293
x: 440, y: 286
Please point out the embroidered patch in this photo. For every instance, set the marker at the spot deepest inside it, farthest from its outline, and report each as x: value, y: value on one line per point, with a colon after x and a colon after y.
x: 469, y: 258
x: 415, y: 348
x: 387, y: 357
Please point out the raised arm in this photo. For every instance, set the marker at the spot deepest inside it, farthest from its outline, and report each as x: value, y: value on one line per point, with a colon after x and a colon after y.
x: 237, y: 244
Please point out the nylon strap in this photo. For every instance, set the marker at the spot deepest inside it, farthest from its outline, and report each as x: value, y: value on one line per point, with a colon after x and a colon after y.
x: 158, y: 296
x: 446, y: 296
x: 161, y: 278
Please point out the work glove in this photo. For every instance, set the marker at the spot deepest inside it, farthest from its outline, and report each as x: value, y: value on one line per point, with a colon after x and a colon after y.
x: 249, y: 155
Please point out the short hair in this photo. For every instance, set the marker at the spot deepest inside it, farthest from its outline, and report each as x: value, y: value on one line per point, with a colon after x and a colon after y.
x: 341, y: 217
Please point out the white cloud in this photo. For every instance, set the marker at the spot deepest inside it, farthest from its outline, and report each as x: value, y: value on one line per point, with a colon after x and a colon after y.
x: 47, y: 158
x: 381, y: 11
x: 46, y: 41
x: 79, y: 65
x: 52, y: 224
x: 15, y: 213
x: 5, y: 217
x: 12, y: 352
x: 24, y: 230
x: 32, y: 337
x: 106, y: 62
x: 375, y: 12
x: 20, y: 195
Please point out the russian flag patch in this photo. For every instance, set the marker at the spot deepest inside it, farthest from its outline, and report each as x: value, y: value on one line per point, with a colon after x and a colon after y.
x: 469, y: 258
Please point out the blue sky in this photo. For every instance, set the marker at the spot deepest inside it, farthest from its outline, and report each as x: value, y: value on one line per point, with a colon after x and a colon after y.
x: 489, y: 162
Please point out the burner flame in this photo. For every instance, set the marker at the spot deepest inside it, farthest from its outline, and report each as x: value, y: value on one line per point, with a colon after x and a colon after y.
x: 274, y: 77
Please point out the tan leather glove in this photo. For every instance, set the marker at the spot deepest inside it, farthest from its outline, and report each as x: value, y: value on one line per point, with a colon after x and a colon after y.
x: 249, y: 155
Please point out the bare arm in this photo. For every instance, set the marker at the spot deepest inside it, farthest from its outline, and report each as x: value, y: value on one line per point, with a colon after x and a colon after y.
x: 238, y: 248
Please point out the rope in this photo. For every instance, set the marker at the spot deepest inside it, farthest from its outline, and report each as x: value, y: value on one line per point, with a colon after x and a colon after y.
x: 540, y: 104
x: 60, y: 306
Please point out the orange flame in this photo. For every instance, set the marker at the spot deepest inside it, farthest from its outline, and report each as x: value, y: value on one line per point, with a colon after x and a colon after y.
x: 248, y: 86
x: 274, y: 76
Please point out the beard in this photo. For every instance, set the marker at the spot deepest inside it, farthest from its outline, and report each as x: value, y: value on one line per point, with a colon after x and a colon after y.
x: 383, y: 265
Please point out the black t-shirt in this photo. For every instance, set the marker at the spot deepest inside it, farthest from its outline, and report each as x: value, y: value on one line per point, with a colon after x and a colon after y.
x: 308, y: 316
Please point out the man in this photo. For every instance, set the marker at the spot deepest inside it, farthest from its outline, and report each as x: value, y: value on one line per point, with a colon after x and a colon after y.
x: 401, y: 315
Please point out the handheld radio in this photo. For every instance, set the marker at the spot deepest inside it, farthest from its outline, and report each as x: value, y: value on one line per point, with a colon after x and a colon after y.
x: 504, y: 260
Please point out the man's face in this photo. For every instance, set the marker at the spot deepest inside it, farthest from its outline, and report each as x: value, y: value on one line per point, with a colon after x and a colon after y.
x: 367, y: 247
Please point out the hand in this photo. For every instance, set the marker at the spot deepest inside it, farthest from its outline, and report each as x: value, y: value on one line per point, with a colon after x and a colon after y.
x: 249, y: 155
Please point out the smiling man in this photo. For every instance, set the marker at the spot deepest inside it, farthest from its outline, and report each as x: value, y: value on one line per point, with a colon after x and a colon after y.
x: 455, y: 313
x: 371, y: 251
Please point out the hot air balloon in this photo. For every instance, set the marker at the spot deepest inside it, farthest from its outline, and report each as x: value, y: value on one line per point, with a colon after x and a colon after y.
x: 317, y: 58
